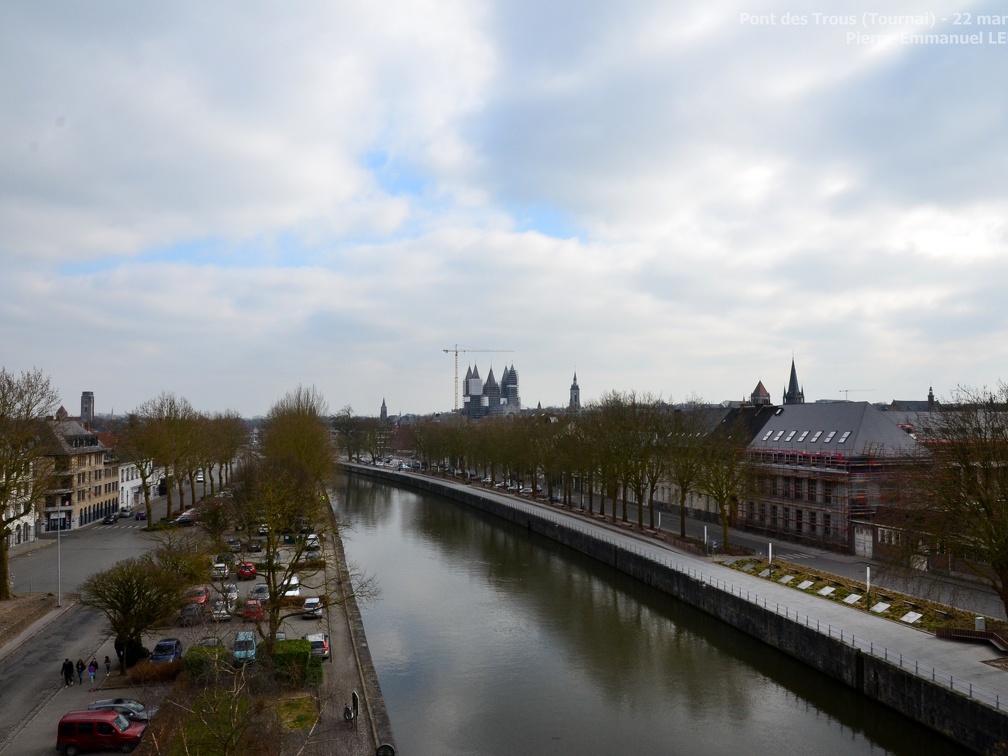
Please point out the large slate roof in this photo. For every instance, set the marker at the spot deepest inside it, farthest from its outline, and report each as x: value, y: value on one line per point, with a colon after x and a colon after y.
x: 847, y: 428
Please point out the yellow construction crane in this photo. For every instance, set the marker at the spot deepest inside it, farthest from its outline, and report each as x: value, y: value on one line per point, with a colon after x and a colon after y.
x: 456, y: 349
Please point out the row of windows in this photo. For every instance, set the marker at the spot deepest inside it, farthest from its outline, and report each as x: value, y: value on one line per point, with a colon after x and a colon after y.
x: 787, y: 518
x: 97, y: 490
x: 802, y: 489
x: 791, y: 434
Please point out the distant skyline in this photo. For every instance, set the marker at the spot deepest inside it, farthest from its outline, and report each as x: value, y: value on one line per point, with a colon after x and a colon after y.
x: 229, y: 201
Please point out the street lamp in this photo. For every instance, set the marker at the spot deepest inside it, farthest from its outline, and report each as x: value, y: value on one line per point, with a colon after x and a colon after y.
x: 59, y: 557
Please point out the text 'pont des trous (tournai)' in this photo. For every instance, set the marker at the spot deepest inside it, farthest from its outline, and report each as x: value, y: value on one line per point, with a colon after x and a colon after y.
x: 880, y: 28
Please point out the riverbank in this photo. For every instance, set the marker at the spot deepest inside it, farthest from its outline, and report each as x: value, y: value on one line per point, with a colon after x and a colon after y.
x: 948, y: 687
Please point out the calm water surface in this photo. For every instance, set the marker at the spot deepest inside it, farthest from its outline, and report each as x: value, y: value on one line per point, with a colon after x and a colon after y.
x: 488, y: 640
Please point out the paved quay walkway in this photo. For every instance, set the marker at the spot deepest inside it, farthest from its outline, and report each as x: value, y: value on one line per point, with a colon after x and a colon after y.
x: 962, y: 667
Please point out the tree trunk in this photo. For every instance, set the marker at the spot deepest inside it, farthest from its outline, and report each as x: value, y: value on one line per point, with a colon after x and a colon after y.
x: 725, y: 510
x: 682, y: 513
x: 6, y: 594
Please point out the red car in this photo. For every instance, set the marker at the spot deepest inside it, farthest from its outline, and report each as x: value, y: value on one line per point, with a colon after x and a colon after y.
x: 198, y: 595
x: 253, y: 610
x: 246, y: 571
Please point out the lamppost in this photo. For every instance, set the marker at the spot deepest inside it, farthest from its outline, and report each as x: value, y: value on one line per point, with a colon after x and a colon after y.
x: 59, y: 558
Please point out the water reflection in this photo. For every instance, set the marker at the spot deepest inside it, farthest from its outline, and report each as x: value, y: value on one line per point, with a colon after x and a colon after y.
x: 490, y: 640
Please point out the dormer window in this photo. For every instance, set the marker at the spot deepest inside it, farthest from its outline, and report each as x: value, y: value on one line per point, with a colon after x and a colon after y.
x: 815, y: 437
x: 829, y: 437
x: 778, y: 436
x: 844, y: 437
x: 802, y: 436
x: 790, y: 435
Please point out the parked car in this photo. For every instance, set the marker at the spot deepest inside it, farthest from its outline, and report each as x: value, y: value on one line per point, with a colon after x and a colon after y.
x: 198, y: 595
x: 313, y: 541
x: 291, y: 587
x: 311, y: 555
x: 312, y: 608
x: 245, y: 647
x: 209, y: 641
x: 260, y: 591
x: 253, y: 610
x: 319, y: 645
x: 222, y: 610
x: 126, y: 512
x: 141, y: 514
x: 220, y: 570
x: 191, y: 614
x: 101, y: 730
x: 229, y: 591
x: 256, y: 545
x: 111, y: 518
x: 199, y: 476
x: 167, y: 650
x: 133, y: 709
x: 234, y: 544
x: 246, y: 571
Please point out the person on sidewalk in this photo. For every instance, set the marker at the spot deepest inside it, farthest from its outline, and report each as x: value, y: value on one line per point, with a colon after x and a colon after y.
x: 92, y: 670
x: 80, y: 671
x: 68, y: 669
x: 108, y: 666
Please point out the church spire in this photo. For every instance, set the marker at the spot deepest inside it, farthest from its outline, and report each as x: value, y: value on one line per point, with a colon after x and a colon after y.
x: 794, y: 393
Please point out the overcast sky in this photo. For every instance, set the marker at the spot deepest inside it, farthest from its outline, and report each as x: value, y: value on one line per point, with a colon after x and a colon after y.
x: 228, y: 200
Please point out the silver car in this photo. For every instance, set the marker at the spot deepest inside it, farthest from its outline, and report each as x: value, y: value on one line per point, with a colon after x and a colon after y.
x: 134, y: 710
x: 312, y: 608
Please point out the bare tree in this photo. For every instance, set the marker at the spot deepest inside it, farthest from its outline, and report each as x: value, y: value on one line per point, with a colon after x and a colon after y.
x: 25, y: 472
x: 166, y: 441
x: 726, y: 472
x: 134, y: 595
x: 953, y: 512
x: 133, y: 444
x: 687, y: 439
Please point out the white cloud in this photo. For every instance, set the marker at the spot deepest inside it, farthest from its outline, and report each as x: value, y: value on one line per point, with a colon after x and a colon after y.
x: 227, y: 201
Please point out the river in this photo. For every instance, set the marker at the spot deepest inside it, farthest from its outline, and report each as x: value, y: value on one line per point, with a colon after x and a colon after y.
x: 489, y: 640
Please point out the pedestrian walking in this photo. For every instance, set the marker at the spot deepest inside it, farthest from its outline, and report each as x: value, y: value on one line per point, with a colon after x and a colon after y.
x: 92, y: 670
x: 80, y: 671
x: 108, y: 666
x: 68, y: 669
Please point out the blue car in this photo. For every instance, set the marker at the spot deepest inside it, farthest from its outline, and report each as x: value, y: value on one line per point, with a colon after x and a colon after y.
x: 245, y: 647
x: 167, y: 650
